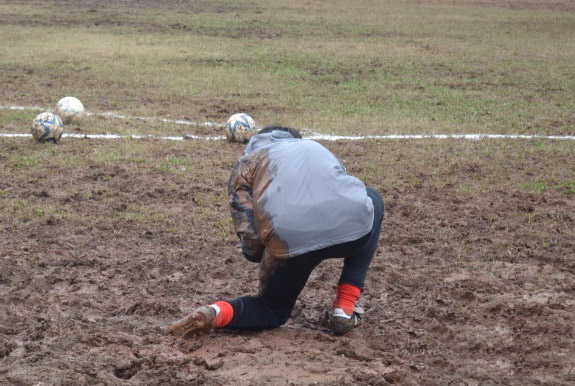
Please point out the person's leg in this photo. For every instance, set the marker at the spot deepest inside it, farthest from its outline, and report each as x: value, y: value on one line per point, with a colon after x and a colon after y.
x: 281, y: 281
x: 357, y: 259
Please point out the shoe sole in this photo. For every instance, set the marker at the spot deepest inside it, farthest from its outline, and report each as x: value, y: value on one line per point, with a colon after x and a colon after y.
x: 190, y: 326
x: 340, y: 326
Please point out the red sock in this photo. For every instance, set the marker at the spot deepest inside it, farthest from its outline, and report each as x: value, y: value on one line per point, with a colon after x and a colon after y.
x: 225, y: 315
x: 347, y: 295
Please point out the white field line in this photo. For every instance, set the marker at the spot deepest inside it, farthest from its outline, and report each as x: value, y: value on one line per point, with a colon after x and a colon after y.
x: 314, y: 136
x: 311, y: 135
x: 119, y: 116
x: 328, y: 137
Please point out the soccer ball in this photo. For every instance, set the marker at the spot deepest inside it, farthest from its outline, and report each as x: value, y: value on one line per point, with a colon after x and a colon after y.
x: 70, y: 109
x: 240, y: 128
x: 47, y: 127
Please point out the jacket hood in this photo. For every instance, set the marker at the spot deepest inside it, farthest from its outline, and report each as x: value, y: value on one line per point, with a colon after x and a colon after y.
x: 260, y: 140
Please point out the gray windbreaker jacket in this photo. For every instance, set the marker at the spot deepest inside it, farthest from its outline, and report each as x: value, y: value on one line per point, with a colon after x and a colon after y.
x: 290, y: 196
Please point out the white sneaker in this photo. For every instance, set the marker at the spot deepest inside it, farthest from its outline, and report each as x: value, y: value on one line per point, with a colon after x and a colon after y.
x: 342, y: 323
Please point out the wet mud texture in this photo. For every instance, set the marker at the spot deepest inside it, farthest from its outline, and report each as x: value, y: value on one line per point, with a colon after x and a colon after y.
x: 465, y: 289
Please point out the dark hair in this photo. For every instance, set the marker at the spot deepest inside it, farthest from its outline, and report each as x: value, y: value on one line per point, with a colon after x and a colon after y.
x: 268, y: 129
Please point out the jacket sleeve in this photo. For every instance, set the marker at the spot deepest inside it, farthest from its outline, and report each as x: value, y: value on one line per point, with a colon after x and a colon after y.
x: 240, y: 192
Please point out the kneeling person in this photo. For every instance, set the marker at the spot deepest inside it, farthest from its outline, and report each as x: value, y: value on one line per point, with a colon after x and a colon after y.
x: 294, y: 205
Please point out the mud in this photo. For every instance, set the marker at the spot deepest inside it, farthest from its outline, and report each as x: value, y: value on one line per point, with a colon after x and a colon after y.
x: 103, y: 244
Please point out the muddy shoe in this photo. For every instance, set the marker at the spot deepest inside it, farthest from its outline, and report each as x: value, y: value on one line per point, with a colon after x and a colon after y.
x: 197, y: 323
x: 341, y: 323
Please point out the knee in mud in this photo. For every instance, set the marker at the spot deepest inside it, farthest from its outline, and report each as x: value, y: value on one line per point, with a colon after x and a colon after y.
x: 280, y: 318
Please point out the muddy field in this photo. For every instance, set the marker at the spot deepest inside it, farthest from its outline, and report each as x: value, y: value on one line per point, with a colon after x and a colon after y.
x: 103, y: 244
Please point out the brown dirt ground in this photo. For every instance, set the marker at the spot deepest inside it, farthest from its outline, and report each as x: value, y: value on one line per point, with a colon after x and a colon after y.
x: 467, y: 288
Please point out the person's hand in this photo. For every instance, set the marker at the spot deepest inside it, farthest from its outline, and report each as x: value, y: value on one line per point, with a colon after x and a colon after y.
x: 248, y: 254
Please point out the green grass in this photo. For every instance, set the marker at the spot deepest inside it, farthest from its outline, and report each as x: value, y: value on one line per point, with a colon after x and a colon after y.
x: 371, y: 67
x: 541, y: 186
x: 362, y: 68
x: 472, y: 169
x: 176, y: 165
x: 9, y: 116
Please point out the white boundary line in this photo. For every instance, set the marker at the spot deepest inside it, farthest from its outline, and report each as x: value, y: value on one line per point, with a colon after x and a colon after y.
x: 438, y: 136
x: 116, y: 136
x: 312, y: 135
x: 119, y: 116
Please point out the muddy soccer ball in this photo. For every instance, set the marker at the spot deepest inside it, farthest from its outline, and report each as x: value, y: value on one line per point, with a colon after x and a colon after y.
x: 70, y: 109
x: 47, y: 127
x: 240, y: 128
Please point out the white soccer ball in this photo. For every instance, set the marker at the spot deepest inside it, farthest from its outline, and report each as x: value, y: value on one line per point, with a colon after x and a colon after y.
x: 240, y: 128
x: 70, y: 109
x: 47, y: 127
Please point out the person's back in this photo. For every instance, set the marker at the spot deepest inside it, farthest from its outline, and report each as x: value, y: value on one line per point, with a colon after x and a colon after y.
x: 302, y: 197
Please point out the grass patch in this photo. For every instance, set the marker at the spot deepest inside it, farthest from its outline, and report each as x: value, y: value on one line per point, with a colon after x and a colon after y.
x: 176, y: 165
x: 431, y: 68
x: 22, y: 210
x: 537, y: 187
x: 15, y: 118
x: 24, y: 161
